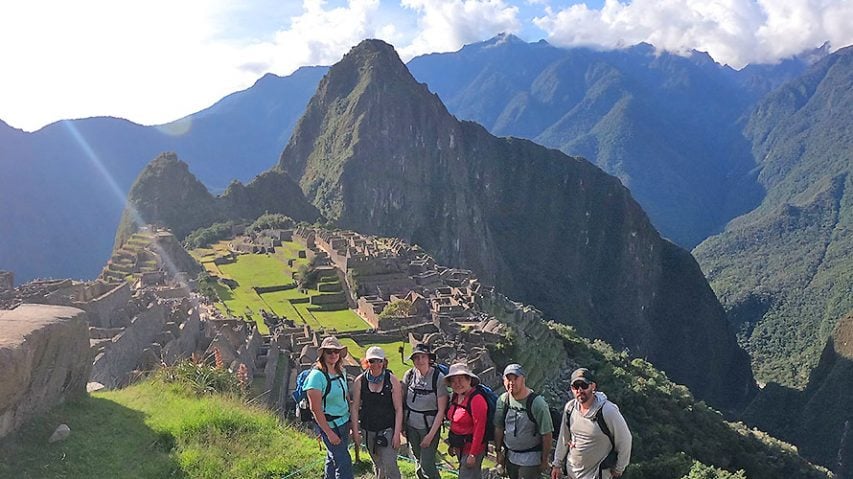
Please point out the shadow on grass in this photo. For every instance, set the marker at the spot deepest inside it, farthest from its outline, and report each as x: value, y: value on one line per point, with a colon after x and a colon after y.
x: 107, y: 440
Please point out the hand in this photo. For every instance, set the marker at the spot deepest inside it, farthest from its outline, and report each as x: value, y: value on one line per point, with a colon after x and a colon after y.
x: 426, y: 441
x: 615, y: 473
x: 333, y: 438
x: 471, y: 461
x: 556, y: 473
x: 395, y: 441
x: 500, y: 458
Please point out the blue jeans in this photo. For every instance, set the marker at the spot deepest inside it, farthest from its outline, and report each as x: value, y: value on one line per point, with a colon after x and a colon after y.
x: 338, y: 460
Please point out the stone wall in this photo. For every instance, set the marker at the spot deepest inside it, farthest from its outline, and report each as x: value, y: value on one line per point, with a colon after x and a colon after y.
x: 102, y: 308
x: 113, y: 366
x: 535, y: 346
x: 44, y: 360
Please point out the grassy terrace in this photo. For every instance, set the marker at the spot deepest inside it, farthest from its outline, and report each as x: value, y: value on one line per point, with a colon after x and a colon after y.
x: 253, y: 270
x: 157, y: 430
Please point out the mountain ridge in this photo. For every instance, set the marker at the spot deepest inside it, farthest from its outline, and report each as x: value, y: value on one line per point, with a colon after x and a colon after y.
x: 387, y: 158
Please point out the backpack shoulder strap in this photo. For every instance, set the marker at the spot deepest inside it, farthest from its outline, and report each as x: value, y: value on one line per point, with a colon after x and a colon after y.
x: 528, y: 406
x: 407, y: 378
x: 328, y: 383
x: 599, y: 418
x: 435, y: 372
x: 506, y: 409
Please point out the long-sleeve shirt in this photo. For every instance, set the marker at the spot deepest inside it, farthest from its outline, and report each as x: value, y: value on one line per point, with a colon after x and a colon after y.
x: 463, y: 423
x: 585, y: 444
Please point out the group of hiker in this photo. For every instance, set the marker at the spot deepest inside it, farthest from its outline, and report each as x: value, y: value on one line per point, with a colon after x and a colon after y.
x: 593, y: 440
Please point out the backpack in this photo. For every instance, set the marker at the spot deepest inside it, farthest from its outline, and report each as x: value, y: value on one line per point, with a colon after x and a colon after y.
x: 491, y: 402
x: 528, y: 408
x: 407, y: 379
x: 612, y: 457
x: 303, y: 408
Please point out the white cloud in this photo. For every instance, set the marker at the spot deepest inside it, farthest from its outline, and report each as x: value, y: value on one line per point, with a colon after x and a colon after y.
x: 736, y: 32
x: 321, y: 35
x: 447, y: 25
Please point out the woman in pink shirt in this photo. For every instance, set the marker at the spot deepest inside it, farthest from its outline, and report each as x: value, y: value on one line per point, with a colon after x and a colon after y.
x: 467, y: 413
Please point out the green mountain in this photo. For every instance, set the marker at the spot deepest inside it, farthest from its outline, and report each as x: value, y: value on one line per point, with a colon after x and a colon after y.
x: 167, y: 194
x: 378, y: 153
x: 666, y: 125
x: 784, y: 270
x: 817, y: 419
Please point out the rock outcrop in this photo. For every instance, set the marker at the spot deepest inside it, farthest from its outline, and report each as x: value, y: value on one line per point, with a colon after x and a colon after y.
x: 44, y: 360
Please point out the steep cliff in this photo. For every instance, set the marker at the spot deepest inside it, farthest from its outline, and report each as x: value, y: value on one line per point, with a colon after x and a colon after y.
x: 378, y: 153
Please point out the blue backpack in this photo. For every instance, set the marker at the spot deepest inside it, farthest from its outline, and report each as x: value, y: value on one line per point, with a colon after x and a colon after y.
x: 491, y: 401
x: 303, y: 408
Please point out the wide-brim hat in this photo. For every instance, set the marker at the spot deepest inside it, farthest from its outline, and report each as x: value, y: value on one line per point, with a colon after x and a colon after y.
x: 374, y: 352
x: 332, y: 343
x: 422, y: 348
x: 461, y: 369
x: 582, y: 374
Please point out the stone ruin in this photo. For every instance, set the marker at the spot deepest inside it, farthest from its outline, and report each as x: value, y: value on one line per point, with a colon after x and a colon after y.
x: 160, y: 319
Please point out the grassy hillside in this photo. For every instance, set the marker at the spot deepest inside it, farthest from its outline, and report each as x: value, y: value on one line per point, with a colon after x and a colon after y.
x: 158, y: 430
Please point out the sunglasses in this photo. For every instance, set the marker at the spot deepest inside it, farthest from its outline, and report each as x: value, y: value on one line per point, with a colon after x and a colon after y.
x: 333, y: 351
x: 374, y: 361
x: 580, y: 386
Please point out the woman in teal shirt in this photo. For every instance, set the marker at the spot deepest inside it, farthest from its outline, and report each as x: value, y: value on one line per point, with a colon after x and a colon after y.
x: 328, y: 395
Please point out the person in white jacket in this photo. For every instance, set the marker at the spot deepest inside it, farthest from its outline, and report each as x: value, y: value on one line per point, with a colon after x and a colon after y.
x: 594, y: 436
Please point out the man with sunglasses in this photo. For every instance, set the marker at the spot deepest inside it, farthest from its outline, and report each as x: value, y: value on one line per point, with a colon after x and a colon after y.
x: 593, y: 434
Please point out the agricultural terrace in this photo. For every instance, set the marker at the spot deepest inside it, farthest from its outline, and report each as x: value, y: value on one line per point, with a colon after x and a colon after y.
x: 241, y: 280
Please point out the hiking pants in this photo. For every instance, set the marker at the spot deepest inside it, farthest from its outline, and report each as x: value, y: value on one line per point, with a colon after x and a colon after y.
x: 384, y: 458
x: 425, y: 457
x: 522, y: 472
x: 338, y: 460
x: 475, y: 472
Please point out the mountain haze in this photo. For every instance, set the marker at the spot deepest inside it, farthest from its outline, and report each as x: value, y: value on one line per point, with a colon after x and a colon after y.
x: 62, y: 188
x: 378, y: 153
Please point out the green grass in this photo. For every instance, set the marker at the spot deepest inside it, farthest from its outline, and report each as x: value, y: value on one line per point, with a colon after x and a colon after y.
x: 252, y: 270
x: 259, y: 270
x: 157, y: 430
x: 343, y: 321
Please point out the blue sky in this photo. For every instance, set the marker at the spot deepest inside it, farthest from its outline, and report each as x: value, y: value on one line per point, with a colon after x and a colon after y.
x: 154, y: 61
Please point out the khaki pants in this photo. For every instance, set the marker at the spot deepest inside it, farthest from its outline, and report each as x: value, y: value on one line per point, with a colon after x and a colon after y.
x: 384, y: 458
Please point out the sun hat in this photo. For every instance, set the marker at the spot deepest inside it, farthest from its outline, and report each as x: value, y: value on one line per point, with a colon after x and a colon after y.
x: 422, y: 348
x: 461, y: 369
x: 374, y: 352
x: 514, y: 369
x: 333, y: 344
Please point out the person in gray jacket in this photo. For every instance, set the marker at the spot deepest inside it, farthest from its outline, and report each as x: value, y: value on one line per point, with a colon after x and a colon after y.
x: 593, y: 434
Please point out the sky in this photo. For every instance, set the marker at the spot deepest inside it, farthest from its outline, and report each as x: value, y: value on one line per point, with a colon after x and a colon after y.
x: 155, y: 61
